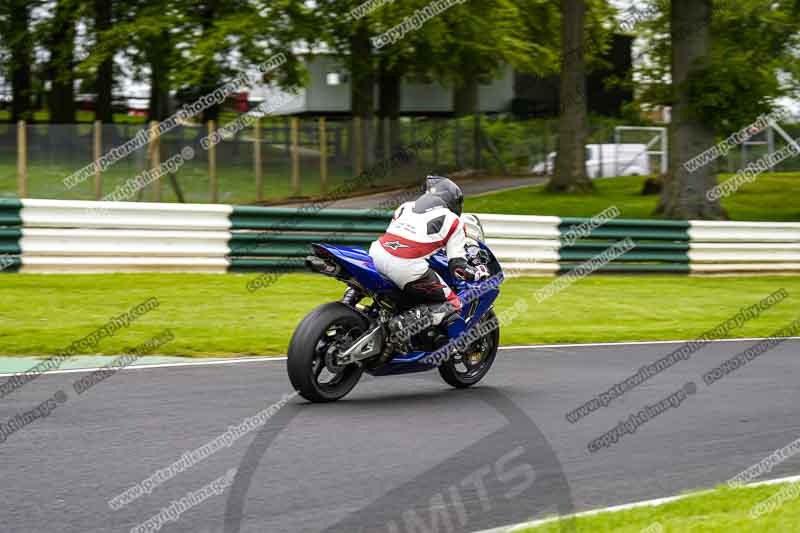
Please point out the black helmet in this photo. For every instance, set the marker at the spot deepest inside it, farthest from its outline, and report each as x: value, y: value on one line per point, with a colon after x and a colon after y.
x: 449, y: 192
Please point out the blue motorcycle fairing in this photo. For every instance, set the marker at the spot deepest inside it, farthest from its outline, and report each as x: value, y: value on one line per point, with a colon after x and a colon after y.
x: 358, y: 264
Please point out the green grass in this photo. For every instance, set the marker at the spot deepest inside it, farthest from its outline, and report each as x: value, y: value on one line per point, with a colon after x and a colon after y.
x: 723, y: 510
x: 216, y: 315
x: 771, y: 197
x: 80, y: 116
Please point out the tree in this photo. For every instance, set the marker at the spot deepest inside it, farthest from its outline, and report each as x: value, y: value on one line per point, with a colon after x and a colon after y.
x: 15, y: 30
x: 570, y: 172
x: 195, y: 47
x: 141, y: 30
x: 104, y: 83
x: 718, y: 77
x: 684, y: 195
x: 221, y: 39
x: 59, y: 40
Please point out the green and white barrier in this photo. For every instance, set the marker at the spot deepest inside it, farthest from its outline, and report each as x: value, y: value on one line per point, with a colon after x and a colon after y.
x: 78, y: 236
x: 531, y: 245
x: 535, y: 245
x: 89, y: 237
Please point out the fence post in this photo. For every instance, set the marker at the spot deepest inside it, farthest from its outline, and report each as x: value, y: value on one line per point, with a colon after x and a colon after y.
x: 98, y: 152
x: 154, y: 151
x: 295, y: 156
x: 359, y: 147
x: 338, y: 143
x: 22, y: 159
x: 213, y: 193
x: 287, y: 134
x: 436, y: 127
x: 457, y: 143
x: 476, y: 139
x: 373, y: 134
x: 323, y: 156
x: 257, y: 161
x: 387, y: 145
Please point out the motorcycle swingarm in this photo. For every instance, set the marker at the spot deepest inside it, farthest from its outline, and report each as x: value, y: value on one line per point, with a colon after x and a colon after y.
x: 367, y: 345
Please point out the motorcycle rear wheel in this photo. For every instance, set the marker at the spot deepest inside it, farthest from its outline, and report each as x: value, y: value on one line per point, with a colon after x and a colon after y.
x: 327, y: 330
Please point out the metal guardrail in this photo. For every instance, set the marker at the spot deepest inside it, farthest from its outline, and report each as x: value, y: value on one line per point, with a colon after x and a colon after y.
x: 535, y: 245
x: 79, y: 236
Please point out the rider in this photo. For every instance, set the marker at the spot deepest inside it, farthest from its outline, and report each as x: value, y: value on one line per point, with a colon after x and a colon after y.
x: 418, y: 230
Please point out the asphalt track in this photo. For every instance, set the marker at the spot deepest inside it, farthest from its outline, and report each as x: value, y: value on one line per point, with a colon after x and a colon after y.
x: 400, y: 453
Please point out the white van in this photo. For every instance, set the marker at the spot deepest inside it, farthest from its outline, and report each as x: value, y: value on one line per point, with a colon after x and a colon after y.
x: 606, y: 160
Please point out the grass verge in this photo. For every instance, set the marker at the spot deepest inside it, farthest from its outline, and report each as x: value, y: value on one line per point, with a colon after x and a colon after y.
x: 212, y: 315
x: 719, y: 511
x: 771, y: 197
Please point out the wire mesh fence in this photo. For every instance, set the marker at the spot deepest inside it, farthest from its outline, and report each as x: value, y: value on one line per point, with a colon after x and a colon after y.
x: 276, y: 158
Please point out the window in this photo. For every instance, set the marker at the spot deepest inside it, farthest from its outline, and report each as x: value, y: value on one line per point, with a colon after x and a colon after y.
x: 335, y: 78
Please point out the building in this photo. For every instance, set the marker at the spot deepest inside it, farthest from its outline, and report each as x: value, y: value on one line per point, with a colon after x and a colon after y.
x: 328, y: 90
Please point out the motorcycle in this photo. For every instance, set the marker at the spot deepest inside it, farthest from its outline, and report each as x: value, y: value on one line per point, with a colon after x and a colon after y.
x: 338, y: 341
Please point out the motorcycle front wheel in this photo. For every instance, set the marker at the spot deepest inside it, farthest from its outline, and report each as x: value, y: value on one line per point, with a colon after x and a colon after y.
x: 463, y: 370
x: 327, y: 331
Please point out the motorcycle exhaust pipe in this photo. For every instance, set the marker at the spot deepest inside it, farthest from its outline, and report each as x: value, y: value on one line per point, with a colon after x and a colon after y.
x: 321, y: 266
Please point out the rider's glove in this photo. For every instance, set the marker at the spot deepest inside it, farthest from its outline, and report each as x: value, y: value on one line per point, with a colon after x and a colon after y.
x: 481, y: 272
x: 461, y: 270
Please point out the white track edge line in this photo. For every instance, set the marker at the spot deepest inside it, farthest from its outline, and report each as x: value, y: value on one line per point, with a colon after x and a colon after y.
x: 213, y: 362
x: 630, y: 343
x: 627, y: 506
x: 164, y: 365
